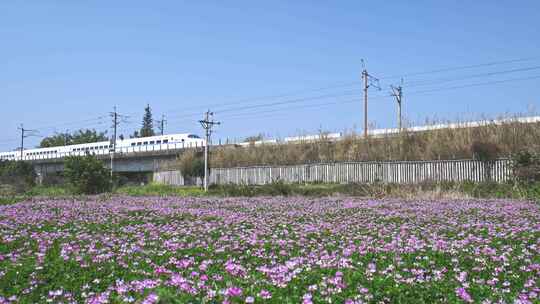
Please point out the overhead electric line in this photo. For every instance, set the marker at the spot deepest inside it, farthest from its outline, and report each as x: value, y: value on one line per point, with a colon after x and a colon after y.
x: 476, y: 84
x: 463, y: 67
x: 436, y: 81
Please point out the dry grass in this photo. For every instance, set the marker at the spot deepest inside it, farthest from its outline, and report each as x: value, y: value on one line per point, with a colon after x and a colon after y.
x: 489, y: 140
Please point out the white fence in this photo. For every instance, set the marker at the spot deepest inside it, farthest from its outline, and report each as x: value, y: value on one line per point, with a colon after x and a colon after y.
x: 403, y: 172
x: 175, y: 178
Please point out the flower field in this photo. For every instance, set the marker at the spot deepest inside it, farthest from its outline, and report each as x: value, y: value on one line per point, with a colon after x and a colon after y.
x: 269, y: 250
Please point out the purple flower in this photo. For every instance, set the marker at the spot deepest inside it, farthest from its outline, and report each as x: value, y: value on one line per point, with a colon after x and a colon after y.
x: 234, y: 291
x: 265, y: 294
x: 464, y: 295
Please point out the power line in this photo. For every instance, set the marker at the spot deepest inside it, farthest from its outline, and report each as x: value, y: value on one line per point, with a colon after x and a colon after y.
x: 476, y: 84
x: 463, y: 67
x: 252, y: 115
x: 422, y: 83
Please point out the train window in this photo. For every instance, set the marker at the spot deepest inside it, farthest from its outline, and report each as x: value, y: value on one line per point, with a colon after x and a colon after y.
x: 145, y: 143
x: 110, y: 146
x: 133, y: 144
x: 152, y: 142
x: 158, y: 141
x: 165, y: 141
x: 139, y: 143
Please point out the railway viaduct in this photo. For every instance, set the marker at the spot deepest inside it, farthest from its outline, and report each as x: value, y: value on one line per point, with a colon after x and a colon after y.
x: 124, y: 162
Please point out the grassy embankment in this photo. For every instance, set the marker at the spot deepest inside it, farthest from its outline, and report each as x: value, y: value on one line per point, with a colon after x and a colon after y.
x: 421, y: 191
x: 489, y: 141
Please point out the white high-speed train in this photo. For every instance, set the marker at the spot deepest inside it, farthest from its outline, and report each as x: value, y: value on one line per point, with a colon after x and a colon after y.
x: 162, y: 142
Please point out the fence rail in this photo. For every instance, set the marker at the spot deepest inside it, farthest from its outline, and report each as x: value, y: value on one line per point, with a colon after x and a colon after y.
x: 401, y: 172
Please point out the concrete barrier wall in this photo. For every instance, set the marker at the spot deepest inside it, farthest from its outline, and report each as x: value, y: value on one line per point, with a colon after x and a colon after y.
x: 401, y: 172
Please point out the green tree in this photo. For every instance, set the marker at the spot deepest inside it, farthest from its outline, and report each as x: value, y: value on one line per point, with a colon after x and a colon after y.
x: 87, y: 174
x: 147, y: 128
x: 82, y: 136
x: 191, y: 165
x: 20, y: 175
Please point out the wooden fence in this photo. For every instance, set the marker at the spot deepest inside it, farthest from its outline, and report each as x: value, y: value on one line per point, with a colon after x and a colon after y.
x: 402, y: 172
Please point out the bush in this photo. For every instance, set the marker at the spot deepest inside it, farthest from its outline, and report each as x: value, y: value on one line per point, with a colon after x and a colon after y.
x: 191, y: 165
x: 87, y: 175
x: 526, y: 167
x: 19, y: 176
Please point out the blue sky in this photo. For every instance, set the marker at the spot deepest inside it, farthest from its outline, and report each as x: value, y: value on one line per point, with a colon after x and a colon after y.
x: 65, y: 64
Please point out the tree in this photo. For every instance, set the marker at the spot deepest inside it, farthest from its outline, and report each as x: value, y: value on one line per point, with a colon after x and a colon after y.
x: 59, y: 139
x: 147, y: 128
x: 82, y: 136
x: 254, y: 138
x: 20, y: 175
x: 191, y: 165
x: 87, y: 174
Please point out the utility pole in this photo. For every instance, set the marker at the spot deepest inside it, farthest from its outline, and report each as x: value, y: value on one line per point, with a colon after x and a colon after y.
x: 368, y: 82
x: 397, y: 92
x: 66, y: 137
x: 161, y: 124
x: 112, y: 150
x: 207, y: 123
x: 23, y: 136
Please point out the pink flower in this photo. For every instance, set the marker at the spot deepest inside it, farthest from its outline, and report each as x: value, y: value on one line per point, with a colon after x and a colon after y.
x: 462, y: 277
x: 265, y: 294
x: 151, y: 299
x: 464, y: 295
x: 234, y: 291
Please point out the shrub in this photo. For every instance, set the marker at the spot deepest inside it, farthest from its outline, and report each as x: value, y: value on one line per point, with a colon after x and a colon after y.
x: 526, y: 167
x: 191, y: 165
x: 484, y: 151
x: 87, y: 175
x: 19, y: 176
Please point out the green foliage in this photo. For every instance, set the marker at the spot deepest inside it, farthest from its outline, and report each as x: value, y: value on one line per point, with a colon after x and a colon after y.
x: 82, y: 136
x: 87, y: 175
x: 381, y: 190
x: 191, y: 165
x: 48, y: 191
x: 147, y: 128
x: 155, y: 189
x: 19, y: 176
x: 526, y: 167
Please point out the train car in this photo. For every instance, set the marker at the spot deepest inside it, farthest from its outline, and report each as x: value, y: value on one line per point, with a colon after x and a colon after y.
x: 9, y: 155
x: 152, y: 143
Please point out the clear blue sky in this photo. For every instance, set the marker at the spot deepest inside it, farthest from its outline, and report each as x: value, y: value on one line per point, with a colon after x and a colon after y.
x: 63, y: 64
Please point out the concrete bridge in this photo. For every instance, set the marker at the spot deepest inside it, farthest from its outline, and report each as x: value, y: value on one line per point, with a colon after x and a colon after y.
x: 128, y: 162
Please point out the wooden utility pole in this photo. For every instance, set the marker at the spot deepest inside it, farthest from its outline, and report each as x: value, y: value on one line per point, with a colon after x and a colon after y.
x: 397, y: 92
x: 207, y: 123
